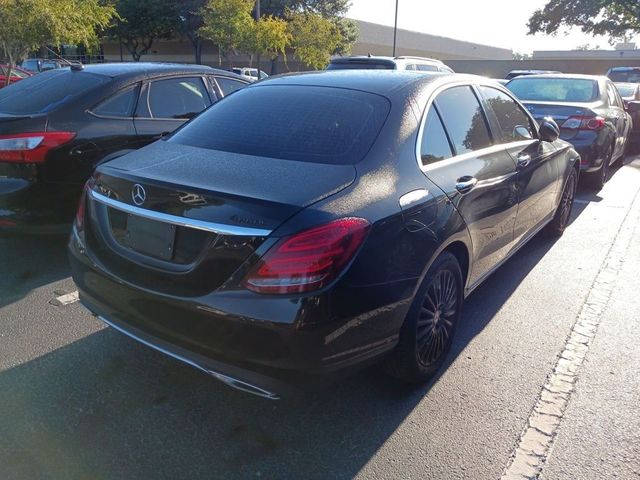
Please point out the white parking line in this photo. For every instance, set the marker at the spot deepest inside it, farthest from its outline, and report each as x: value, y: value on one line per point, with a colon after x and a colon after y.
x: 66, y: 299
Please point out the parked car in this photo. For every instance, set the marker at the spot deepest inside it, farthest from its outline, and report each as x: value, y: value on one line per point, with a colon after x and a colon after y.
x: 388, y: 63
x: 624, y: 74
x: 630, y: 94
x: 589, y: 111
x: 17, y: 74
x: 248, y: 72
x: 326, y: 228
x: 55, y: 127
x: 523, y: 73
x: 37, y: 65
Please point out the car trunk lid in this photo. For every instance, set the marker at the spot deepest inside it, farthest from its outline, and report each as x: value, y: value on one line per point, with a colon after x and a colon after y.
x: 561, y: 112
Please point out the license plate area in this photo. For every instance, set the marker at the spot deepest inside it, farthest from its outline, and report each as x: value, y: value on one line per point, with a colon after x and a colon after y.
x: 149, y: 237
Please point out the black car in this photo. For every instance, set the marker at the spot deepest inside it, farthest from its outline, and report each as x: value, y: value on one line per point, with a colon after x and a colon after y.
x: 57, y: 126
x: 341, y: 221
x: 589, y: 111
x: 624, y: 74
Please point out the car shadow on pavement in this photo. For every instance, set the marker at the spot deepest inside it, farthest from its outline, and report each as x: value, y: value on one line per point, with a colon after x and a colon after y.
x: 107, y: 407
x: 29, y: 262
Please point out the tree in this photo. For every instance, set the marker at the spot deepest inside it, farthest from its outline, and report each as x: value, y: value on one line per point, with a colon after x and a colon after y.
x: 269, y: 37
x: 614, y: 18
x: 189, y: 21
x: 348, y: 35
x: 314, y: 38
x: 227, y: 23
x: 26, y: 25
x: 142, y: 22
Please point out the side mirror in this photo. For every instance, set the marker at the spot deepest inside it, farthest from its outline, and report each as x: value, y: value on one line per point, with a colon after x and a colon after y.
x: 633, y: 107
x: 549, y: 130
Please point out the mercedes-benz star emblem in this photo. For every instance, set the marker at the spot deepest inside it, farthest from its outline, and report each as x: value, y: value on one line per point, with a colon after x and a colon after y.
x: 138, y: 194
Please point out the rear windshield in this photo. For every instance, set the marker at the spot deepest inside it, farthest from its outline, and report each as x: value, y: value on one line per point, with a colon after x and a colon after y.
x: 626, y: 90
x: 631, y: 76
x: 554, y: 89
x: 362, y: 66
x: 303, y: 123
x: 44, y: 92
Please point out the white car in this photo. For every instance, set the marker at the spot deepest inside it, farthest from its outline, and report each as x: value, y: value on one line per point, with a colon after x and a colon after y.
x: 249, y: 73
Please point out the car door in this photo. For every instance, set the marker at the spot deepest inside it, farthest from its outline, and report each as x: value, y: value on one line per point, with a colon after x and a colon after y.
x: 458, y: 153
x: 619, y: 118
x: 538, y: 180
x: 167, y: 103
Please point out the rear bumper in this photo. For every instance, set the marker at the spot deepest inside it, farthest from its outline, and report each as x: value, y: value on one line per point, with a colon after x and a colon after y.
x: 251, y: 342
x: 592, y: 147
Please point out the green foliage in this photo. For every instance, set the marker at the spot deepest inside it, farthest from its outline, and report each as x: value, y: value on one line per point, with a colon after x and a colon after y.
x: 26, y: 25
x: 615, y: 18
x: 326, y: 8
x: 141, y: 22
x: 227, y: 23
x: 348, y: 35
x: 268, y: 37
x: 189, y: 21
x: 314, y: 38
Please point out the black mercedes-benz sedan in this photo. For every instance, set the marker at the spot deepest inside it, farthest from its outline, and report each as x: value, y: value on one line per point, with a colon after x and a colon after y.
x: 340, y: 221
x: 57, y: 126
x: 589, y: 111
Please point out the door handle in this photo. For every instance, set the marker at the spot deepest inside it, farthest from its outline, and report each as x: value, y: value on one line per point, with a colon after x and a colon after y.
x: 524, y: 160
x: 466, y: 184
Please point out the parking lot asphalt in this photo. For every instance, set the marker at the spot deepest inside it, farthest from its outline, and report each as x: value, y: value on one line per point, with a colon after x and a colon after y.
x: 78, y: 400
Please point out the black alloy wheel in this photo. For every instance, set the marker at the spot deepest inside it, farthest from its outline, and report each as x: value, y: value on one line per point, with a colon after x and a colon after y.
x: 429, y: 327
x: 560, y: 220
x: 599, y: 178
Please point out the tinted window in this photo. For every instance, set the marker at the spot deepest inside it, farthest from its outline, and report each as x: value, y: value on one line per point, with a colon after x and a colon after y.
x: 631, y: 75
x: 31, y: 65
x: 309, y: 124
x: 119, y: 105
x: 435, y: 145
x: 47, y: 91
x: 427, y: 68
x: 508, y: 113
x: 613, y: 96
x: 177, y: 98
x: 463, y: 118
x: 627, y: 89
x: 410, y: 66
x: 554, y: 89
x: 18, y: 73
x: 228, y: 85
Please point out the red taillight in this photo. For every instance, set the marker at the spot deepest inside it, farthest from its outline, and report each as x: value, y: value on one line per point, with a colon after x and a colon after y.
x: 31, y: 147
x: 308, y: 260
x: 82, y: 205
x: 584, y: 123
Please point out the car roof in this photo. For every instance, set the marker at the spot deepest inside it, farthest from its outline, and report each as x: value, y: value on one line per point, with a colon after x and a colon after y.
x: 381, y: 59
x: 534, y: 70
x: 381, y: 82
x: 623, y: 69
x: 574, y: 76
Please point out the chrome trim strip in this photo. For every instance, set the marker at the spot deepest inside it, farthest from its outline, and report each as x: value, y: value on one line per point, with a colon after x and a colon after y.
x: 219, y: 228
x: 232, y: 382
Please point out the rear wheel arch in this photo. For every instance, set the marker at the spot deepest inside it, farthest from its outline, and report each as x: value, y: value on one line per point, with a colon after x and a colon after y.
x: 459, y: 250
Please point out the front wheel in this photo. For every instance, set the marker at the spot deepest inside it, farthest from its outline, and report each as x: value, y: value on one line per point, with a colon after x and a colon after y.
x: 560, y: 220
x: 428, y: 329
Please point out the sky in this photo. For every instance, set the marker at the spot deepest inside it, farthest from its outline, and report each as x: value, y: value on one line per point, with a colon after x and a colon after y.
x: 499, y: 23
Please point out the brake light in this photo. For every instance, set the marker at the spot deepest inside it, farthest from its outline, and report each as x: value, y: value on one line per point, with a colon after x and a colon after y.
x: 80, y: 213
x: 584, y: 123
x: 308, y: 260
x: 31, y: 147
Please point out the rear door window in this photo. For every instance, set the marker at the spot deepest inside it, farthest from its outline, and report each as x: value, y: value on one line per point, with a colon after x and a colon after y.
x: 463, y: 119
x: 121, y: 104
x: 291, y: 122
x: 229, y: 85
x: 176, y: 98
x: 47, y: 91
x: 612, y: 93
x: 435, y: 145
x: 511, y: 118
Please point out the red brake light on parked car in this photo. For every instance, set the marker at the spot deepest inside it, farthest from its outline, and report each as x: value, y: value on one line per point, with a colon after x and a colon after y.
x: 584, y: 123
x: 31, y: 147
x: 308, y: 260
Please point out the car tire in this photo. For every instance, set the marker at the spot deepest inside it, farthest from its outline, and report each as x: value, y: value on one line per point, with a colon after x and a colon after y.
x: 557, y: 226
x: 598, y: 179
x: 429, y: 327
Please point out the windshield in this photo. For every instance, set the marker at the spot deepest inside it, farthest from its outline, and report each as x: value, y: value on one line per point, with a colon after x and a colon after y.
x: 626, y: 89
x: 308, y: 124
x: 47, y: 91
x: 554, y: 89
x: 631, y: 75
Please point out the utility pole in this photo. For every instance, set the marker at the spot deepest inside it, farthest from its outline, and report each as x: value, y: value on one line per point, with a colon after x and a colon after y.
x: 258, y: 53
x: 395, y: 29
